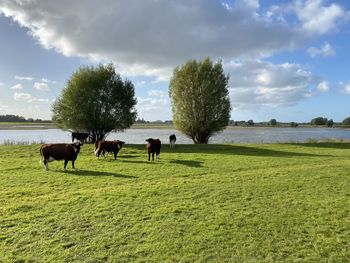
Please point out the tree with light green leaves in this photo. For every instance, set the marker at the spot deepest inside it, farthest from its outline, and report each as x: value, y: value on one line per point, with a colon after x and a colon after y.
x: 200, y: 99
x: 96, y: 100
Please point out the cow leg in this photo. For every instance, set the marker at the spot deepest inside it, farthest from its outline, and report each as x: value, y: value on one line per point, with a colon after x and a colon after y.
x: 153, y: 156
x: 115, y: 155
x: 65, y: 164
x: 149, y: 156
x: 73, y: 165
x: 46, y: 163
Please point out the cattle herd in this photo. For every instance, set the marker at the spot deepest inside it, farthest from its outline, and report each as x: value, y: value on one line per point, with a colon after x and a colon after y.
x: 69, y: 152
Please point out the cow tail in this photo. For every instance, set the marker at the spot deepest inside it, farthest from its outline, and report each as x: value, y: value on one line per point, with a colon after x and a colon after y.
x: 41, y: 154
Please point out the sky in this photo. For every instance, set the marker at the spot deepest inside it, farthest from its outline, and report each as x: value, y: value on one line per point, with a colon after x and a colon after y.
x: 287, y: 60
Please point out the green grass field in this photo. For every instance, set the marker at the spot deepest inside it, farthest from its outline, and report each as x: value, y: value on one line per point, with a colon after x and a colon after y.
x: 198, y: 203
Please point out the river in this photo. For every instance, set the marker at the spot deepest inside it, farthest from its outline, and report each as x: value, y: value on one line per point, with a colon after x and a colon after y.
x: 232, y: 135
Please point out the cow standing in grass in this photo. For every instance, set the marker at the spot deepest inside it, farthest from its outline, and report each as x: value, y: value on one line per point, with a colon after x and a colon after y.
x: 80, y: 136
x: 153, y: 147
x: 172, y: 140
x: 60, y: 151
x: 108, y: 146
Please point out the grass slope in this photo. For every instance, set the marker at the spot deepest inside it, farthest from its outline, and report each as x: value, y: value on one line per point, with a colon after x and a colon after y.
x: 199, y: 203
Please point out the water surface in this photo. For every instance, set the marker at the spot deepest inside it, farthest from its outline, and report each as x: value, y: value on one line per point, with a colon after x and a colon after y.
x: 232, y: 135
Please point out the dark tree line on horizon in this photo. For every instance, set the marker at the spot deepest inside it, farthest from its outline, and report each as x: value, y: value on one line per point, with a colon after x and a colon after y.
x: 319, y: 121
x: 17, y: 118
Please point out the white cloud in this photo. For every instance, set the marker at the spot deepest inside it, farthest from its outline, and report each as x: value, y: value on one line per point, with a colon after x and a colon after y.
x: 22, y: 96
x: 48, y: 81
x: 316, y: 17
x: 156, y: 93
x: 41, y: 86
x: 254, y: 84
x: 323, y: 86
x: 42, y: 100
x: 17, y: 86
x: 4, y: 109
x: 153, y: 108
x: 346, y: 88
x: 26, y: 97
x: 24, y: 78
x: 151, y: 37
x: 1, y: 84
x: 326, y: 50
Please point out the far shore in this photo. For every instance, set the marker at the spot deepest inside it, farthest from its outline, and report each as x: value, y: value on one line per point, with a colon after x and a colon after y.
x: 43, y: 126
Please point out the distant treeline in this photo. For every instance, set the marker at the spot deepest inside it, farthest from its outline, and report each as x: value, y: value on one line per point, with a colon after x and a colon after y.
x: 16, y: 118
x: 319, y: 121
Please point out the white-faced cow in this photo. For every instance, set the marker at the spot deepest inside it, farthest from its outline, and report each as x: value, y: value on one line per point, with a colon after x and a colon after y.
x: 108, y: 146
x: 60, y: 151
x: 172, y: 140
x: 80, y: 136
x: 153, y: 147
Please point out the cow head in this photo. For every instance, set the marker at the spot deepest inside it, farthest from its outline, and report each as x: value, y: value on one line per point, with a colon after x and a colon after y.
x: 76, y: 146
x: 120, y: 144
x: 149, y: 140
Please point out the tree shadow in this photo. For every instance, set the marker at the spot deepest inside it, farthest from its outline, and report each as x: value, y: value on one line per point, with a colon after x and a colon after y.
x: 188, y: 163
x: 128, y: 156
x: 134, y: 161
x: 99, y: 173
x: 328, y: 145
x: 240, y: 150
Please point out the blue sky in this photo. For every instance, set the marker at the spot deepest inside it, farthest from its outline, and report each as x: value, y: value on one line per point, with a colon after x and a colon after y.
x: 287, y: 60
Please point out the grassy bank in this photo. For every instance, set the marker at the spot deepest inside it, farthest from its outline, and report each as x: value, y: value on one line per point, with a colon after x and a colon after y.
x: 26, y: 125
x: 218, y: 203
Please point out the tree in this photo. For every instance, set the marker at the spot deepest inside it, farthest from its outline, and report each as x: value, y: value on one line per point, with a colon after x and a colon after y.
x: 294, y: 124
x: 319, y: 121
x: 250, y: 123
x: 200, y: 99
x: 96, y: 100
x: 273, y: 122
x: 346, y: 122
x: 330, y: 123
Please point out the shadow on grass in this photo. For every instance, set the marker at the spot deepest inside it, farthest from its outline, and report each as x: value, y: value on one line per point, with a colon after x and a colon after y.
x: 98, y: 173
x: 328, y: 145
x: 188, y: 163
x: 239, y: 150
x: 141, y: 162
x: 129, y: 156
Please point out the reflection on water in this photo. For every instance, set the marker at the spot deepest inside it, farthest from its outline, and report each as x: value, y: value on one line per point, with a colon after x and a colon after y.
x: 235, y: 135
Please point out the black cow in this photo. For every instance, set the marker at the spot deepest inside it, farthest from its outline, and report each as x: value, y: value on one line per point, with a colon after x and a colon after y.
x: 80, y: 136
x: 108, y: 146
x: 153, y: 147
x: 60, y: 151
x: 172, y: 140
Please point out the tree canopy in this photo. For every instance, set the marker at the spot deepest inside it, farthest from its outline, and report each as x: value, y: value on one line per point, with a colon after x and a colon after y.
x: 96, y: 100
x: 346, y: 122
x: 319, y: 121
x: 200, y: 99
x: 273, y: 122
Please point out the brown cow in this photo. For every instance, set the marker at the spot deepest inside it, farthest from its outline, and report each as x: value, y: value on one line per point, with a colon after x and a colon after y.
x: 108, y: 146
x: 153, y: 146
x: 60, y: 151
